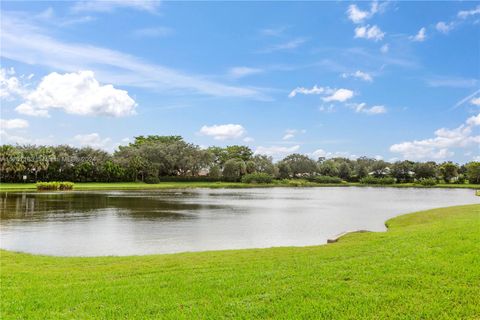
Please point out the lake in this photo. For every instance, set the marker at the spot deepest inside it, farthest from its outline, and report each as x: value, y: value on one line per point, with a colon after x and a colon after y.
x: 97, y: 223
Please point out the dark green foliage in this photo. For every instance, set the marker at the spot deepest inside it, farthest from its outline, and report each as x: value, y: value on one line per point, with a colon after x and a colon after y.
x: 325, y: 179
x: 257, y: 177
x: 449, y: 171
x: 152, y: 180
x: 427, y: 182
x: 374, y: 180
x: 298, y: 165
x: 473, y: 172
x: 234, y: 169
x: 151, y: 157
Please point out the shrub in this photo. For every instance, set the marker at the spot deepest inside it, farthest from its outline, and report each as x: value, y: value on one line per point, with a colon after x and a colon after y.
x: 325, y: 179
x: 55, y: 185
x: 297, y: 182
x: 373, y: 180
x: 257, y: 177
x: 152, y: 180
x: 427, y: 182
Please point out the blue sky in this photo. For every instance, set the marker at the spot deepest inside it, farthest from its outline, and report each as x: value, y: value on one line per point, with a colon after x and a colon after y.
x: 384, y: 79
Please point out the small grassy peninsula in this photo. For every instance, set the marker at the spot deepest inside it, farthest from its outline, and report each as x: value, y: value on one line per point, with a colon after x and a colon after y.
x: 426, y: 266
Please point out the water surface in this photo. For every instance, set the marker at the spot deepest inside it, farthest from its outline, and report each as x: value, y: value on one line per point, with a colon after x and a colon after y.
x: 86, y: 223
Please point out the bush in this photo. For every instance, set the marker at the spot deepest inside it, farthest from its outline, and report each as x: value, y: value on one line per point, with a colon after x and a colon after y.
x: 152, y: 180
x: 257, y: 177
x: 325, y: 179
x: 297, y: 182
x: 427, y: 182
x: 55, y: 185
x: 373, y: 180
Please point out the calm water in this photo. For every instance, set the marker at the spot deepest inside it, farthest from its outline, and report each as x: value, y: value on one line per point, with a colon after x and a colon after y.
x: 143, y: 222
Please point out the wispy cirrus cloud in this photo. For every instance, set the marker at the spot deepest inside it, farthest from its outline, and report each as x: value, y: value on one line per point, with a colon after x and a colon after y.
x: 288, y: 45
x: 153, y: 32
x: 451, y: 81
x: 111, y: 5
x: 31, y: 44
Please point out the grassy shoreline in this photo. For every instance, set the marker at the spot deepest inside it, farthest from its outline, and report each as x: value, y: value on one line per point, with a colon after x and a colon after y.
x: 425, y: 266
x: 187, y: 185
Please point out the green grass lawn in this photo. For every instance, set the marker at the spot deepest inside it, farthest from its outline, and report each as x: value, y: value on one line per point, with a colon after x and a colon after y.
x: 179, y: 185
x: 427, y: 266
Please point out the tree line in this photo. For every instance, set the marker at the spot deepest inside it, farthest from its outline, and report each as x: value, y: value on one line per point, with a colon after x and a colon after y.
x: 169, y: 158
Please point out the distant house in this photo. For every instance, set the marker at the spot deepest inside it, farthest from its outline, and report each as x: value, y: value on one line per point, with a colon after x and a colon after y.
x: 203, y: 172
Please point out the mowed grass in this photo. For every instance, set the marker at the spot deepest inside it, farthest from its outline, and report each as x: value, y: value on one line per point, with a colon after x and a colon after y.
x: 427, y: 266
x: 185, y: 185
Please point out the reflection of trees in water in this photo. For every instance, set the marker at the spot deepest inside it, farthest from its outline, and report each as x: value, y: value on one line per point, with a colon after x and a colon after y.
x: 170, y: 206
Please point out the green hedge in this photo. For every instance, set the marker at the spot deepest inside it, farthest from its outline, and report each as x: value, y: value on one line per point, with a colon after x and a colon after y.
x: 373, y: 180
x: 257, y: 177
x: 427, y: 182
x: 55, y: 185
x: 324, y: 179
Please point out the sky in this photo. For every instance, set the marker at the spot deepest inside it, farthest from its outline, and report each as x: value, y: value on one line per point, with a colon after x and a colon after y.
x: 391, y: 80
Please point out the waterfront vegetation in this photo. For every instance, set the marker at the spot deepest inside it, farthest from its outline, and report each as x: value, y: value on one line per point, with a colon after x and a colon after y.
x: 55, y: 185
x: 155, y: 159
x: 425, y: 266
x: 223, y: 184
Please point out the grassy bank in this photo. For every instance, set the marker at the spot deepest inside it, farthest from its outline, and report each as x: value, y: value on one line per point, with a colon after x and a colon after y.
x: 426, y: 266
x: 180, y: 185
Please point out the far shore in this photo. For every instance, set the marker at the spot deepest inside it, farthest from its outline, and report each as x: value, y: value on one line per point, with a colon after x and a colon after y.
x: 188, y: 185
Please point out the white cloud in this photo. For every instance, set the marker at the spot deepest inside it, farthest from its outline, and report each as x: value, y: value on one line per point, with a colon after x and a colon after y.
x: 76, y: 93
x: 302, y: 90
x: 153, y: 32
x: 475, y: 101
x: 374, y: 33
x: 248, y: 139
x: 340, y: 95
x: 359, y: 75
x: 224, y: 131
x: 6, y: 137
x: 240, y: 72
x: 92, y: 140
x: 11, y: 86
x: 291, y: 133
x: 362, y: 108
x: 320, y: 153
x: 384, y: 48
x: 276, y: 151
x: 29, y: 44
x: 474, y: 120
x: 358, y: 16
x: 7, y: 124
x: 439, y: 146
x: 467, y: 13
x: 444, y: 27
x: 420, y: 36
x: 111, y: 5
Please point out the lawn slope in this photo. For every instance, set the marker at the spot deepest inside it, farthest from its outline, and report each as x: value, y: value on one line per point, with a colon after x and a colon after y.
x: 427, y: 266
